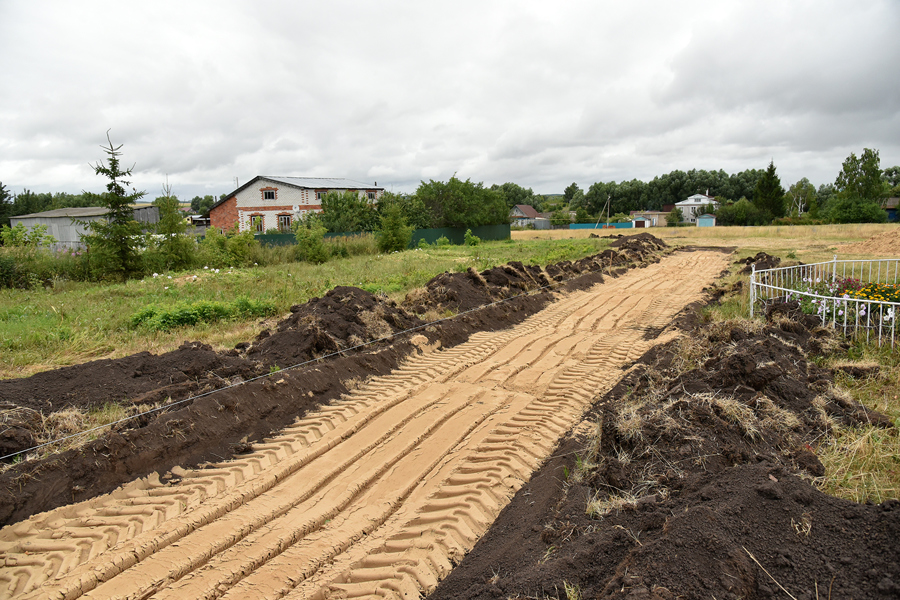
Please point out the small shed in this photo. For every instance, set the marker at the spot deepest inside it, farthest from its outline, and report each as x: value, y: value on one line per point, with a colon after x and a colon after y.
x: 641, y: 222
x: 890, y: 207
x: 706, y: 220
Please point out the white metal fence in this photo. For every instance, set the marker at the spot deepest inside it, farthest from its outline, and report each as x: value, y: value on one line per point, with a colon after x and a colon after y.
x: 874, y: 319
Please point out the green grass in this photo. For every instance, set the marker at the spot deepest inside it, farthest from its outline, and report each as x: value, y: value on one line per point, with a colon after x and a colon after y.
x: 73, y: 322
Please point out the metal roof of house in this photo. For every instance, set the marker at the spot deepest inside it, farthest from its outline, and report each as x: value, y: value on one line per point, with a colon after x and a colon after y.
x: 528, y: 211
x: 697, y: 199
x: 323, y: 183
x: 77, y: 213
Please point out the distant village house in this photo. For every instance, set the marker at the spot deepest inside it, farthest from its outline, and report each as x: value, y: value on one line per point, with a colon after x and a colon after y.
x: 523, y: 215
x: 691, y: 208
x: 265, y: 203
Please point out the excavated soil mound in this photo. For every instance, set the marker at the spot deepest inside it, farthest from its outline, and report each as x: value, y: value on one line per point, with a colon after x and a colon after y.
x: 883, y: 244
x: 464, y: 291
x: 640, y: 242
x: 345, y: 318
x: 698, y: 473
x: 761, y: 260
x: 218, y: 426
x: 139, y: 378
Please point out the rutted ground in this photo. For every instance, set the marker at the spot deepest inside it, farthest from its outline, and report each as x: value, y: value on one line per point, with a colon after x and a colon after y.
x: 378, y: 493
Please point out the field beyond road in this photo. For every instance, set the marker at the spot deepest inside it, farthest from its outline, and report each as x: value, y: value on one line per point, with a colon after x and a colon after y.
x: 809, y: 243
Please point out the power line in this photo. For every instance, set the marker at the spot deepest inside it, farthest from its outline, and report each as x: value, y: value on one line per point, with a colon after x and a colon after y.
x: 296, y: 366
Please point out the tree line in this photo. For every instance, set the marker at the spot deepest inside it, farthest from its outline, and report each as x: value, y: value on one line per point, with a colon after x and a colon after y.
x: 751, y: 197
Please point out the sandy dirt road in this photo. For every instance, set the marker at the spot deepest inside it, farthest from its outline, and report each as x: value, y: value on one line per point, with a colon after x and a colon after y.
x: 376, y: 495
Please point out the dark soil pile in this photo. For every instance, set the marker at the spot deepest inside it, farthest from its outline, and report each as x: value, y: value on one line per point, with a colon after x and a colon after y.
x: 761, y: 260
x: 139, y: 378
x: 214, y: 427
x: 464, y: 291
x: 345, y: 318
x: 699, y: 468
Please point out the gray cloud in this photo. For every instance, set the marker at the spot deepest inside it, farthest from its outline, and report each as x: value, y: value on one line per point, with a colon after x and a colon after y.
x: 396, y: 92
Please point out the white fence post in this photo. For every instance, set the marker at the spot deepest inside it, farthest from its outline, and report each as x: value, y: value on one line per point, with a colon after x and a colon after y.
x: 752, y: 288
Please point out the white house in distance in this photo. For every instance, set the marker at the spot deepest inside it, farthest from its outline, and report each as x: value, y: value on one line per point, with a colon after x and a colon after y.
x: 266, y: 202
x: 523, y: 215
x: 690, y: 208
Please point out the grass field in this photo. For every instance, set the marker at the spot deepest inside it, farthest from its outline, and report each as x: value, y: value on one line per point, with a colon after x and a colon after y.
x: 809, y: 243
x: 74, y: 322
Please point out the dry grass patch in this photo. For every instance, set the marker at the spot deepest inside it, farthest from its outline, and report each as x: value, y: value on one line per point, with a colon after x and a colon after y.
x: 863, y: 463
x: 61, y: 424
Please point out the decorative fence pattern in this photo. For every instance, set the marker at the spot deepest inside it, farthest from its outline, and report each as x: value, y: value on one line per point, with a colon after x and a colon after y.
x: 814, y: 286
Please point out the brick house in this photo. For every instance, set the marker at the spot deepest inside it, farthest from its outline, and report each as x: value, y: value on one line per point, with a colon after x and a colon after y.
x: 266, y: 202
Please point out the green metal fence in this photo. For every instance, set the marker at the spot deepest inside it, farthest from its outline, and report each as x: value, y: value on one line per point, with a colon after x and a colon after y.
x: 456, y: 235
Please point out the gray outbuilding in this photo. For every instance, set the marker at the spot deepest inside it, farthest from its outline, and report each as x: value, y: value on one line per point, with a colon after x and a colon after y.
x: 67, y: 225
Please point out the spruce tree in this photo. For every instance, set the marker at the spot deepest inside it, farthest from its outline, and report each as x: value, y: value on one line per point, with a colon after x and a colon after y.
x: 768, y: 196
x: 113, y: 241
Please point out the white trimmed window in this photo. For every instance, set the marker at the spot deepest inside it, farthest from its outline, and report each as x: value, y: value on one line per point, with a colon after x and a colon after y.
x: 284, y: 223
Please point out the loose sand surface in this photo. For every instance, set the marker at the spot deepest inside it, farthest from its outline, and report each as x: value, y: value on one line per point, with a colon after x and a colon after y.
x: 377, y: 494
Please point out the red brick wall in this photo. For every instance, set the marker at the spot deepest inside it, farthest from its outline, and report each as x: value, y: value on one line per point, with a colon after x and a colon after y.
x: 225, y: 215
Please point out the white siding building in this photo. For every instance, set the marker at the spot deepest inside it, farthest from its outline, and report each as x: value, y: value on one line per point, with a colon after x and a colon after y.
x: 267, y: 202
x: 690, y: 208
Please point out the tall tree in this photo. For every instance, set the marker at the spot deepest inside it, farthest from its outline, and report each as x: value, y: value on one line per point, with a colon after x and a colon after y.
x: 860, y: 189
x: 802, y: 196
x: 570, y: 192
x: 176, y: 249
x: 201, y: 205
x: 5, y: 205
x: 411, y: 207
x: 861, y: 177
x: 348, y: 212
x: 114, y: 240
x: 458, y: 203
x: 892, y: 176
x: 515, y: 194
x: 768, y: 195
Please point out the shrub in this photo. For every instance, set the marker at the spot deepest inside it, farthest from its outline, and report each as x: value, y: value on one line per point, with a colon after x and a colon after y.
x: 395, y: 234
x: 310, y: 234
x: 233, y: 249
x: 9, y: 272
x: 442, y: 241
x: 471, y: 239
x: 157, y: 318
x: 35, y: 236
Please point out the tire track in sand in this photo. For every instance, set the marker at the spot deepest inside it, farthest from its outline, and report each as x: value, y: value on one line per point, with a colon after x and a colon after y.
x: 376, y: 495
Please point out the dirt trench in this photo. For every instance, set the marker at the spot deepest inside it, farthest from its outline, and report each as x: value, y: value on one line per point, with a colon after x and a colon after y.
x: 379, y: 493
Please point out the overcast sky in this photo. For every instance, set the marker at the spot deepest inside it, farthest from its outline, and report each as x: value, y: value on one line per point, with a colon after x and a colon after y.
x: 534, y: 92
